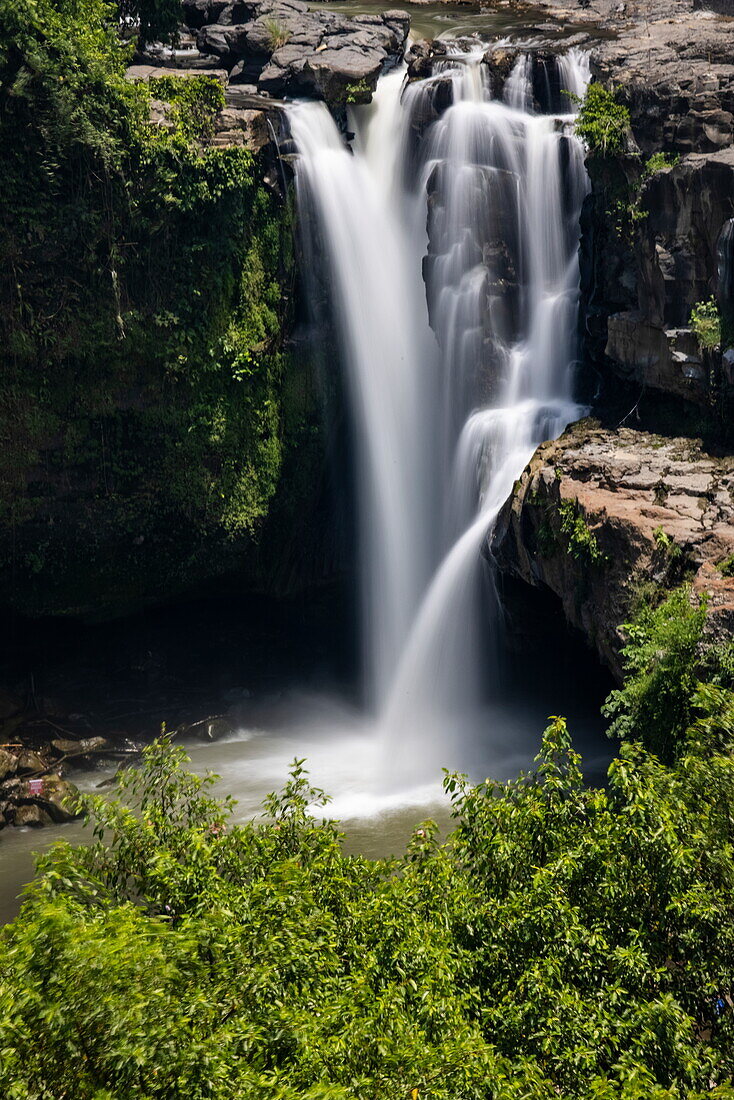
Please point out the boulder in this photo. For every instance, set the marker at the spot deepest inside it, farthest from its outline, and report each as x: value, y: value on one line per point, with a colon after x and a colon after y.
x: 88, y: 745
x: 238, y: 126
x: 31, y: 815
x: 29, y: 761
x: 8, y: 764
x: 287, y: 49
x: 56, y: 798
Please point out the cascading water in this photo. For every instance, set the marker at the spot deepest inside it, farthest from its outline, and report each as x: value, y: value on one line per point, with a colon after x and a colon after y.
x: 373, y: 269
x: 459, y: 344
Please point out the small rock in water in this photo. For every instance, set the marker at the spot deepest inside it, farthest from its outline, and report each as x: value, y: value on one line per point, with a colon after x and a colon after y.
x: 213, y: 730
x: 31, y: 815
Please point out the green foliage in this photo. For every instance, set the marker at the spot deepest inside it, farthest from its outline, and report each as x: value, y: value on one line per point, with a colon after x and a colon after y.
x: 278, y: 34
x: 602, y: 122
x: 359, y: 92
x: 661, y: 661
x: 141, y: 307
x: 564, y: 941
x: 581, y: 542
x: 657, y: 162
x: 195, y: 102
x: 706, y: 323
x: 630, y: 212
x: 564, y: 527
x: 668, y: 545
x: 726, y: 566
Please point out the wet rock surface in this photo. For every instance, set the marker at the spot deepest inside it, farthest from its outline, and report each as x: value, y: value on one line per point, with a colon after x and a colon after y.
x: 659, y: 509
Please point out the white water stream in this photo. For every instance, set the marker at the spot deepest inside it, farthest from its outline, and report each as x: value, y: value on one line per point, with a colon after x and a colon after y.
x: 458, y: 342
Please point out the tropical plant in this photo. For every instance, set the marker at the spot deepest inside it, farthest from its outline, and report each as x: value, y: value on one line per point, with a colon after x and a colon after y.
x: 602, y: 122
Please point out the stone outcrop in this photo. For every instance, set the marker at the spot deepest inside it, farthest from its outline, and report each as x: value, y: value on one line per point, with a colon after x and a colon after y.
x: 284, y: 48
x: 676, y: 73
x: 598, y: 514
x: 652, y: 243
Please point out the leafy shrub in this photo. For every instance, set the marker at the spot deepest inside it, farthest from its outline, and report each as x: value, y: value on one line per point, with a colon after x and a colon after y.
x: 142, y: 300
x: 706, y: 323
x: 661, y: 662
x: 564, y: 941
x: 657, y: 162
x: 359, y: 92
x: 196, y: 102
x: 602, y: 123
x: 581, y: 541
x: 726, y: 567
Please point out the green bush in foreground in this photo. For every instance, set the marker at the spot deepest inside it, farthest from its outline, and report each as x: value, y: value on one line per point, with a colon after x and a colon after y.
x: 564, y: 941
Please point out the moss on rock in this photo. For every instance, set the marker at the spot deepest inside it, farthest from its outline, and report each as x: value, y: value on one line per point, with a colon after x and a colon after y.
x: 143, y: 298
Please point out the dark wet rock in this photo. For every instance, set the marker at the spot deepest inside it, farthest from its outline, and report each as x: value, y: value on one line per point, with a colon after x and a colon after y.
x: 31, y: 815
x: 8, y: 764
x: 629, y: 487
x: 207, y: 729
x: 641, y: 282
x: 29, y: 761
x: 87, y: 746
x: 422, y: 57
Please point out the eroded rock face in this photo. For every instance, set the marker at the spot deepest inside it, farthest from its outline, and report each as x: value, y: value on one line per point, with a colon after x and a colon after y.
x: 284, y: 48
x: 676, y: 72
x: 659, y: 509
x: 651, y: 238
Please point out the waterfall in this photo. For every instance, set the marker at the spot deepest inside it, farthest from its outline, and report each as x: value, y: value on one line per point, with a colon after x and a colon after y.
x: 373, y: 255
x: 450, y: 250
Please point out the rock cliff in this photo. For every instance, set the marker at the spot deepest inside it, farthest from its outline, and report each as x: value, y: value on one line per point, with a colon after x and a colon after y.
x: 600, y: 514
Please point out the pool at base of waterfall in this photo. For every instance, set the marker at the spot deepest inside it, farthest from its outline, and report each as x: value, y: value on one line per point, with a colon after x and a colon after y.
x: 344, y: 756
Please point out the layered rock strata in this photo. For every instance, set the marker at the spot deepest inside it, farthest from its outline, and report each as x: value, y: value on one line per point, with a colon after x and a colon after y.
x: 599, y: 514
